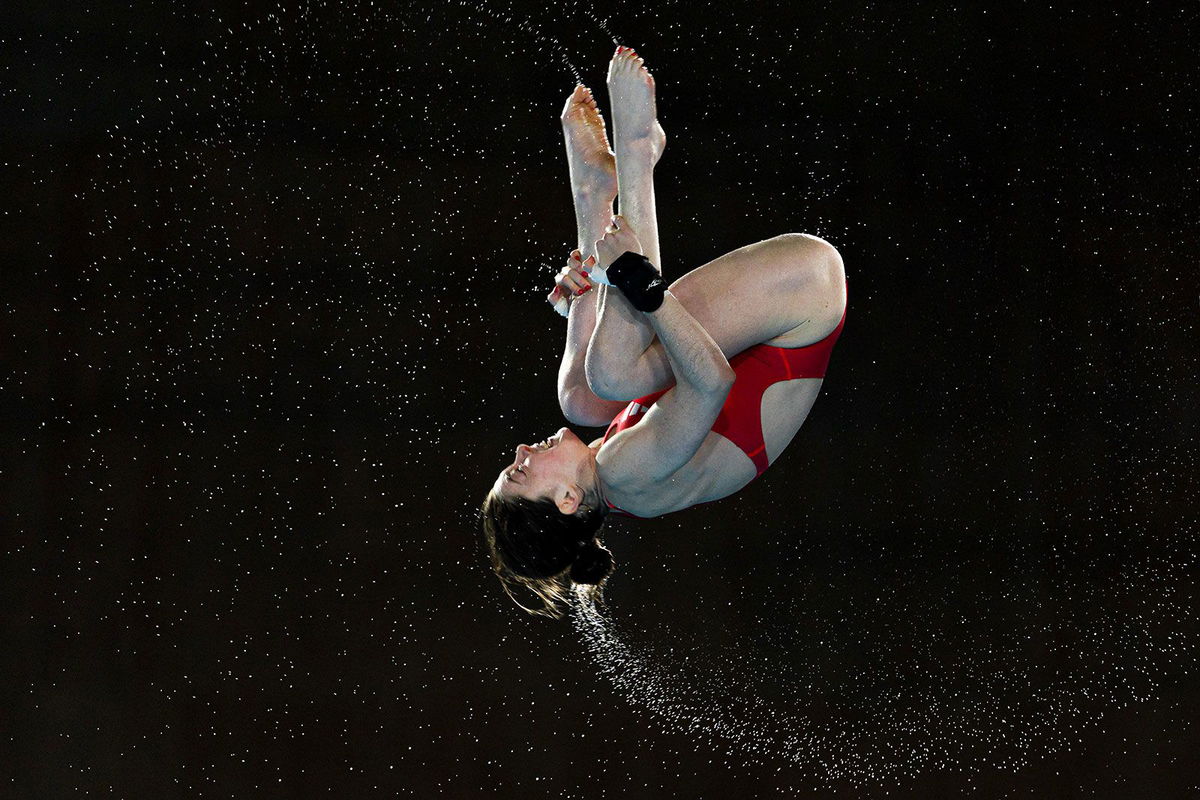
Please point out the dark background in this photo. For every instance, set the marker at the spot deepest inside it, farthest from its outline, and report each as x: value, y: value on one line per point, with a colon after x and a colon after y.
x: 272, y: 319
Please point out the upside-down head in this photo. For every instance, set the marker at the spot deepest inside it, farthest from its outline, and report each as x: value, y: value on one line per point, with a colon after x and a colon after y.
x: 541, y: 521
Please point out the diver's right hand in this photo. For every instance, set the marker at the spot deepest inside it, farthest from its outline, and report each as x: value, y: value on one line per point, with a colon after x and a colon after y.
x: 571, y: 282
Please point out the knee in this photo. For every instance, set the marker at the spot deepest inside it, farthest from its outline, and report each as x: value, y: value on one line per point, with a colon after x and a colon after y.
x: 606, y: 379
x: 814, y: 259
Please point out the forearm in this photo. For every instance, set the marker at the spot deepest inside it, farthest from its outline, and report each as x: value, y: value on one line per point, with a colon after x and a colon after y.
x: 581, y: 322
x: 603, y: 329
x: 592, y: 212
x: 579, y: 403
x: 695, y: 358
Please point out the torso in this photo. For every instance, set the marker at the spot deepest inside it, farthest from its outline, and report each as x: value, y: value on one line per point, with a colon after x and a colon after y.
x: 725, y: 463
x: 795, y: 286
x: 721, y: 468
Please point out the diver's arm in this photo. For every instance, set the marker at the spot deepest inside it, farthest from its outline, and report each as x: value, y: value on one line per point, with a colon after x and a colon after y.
x: 696, y: 360
x: 697, y: 363
x: 578, y: 402
x: 678, y: 423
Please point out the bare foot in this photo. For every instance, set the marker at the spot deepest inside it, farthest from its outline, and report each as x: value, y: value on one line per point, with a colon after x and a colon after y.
x: 593, y: 168
x: 631, y: 92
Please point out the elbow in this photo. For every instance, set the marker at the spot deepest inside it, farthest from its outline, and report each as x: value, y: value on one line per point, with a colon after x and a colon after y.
x: 580, y: 408
x: 722, y: 380
x: 725, y: 374
x: 574, y: 407
x: 728, y: 376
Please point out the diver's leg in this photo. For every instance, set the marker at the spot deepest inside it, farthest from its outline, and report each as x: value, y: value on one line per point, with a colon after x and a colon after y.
x: 592, y: 167
x: 622, y: 335
x: 639, y: 145
x: 593, y: 188
x: 788, y: 291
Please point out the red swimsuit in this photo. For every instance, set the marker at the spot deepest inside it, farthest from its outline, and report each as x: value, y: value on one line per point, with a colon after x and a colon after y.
x: 756, y: 368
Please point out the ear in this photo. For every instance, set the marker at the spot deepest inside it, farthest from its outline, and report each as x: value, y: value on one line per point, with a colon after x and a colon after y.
x: 569, y: 500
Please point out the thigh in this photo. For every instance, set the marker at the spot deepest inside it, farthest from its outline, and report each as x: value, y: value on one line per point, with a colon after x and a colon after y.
x: 789, y: 292
x: 789, y: 286
x: 784, y: 407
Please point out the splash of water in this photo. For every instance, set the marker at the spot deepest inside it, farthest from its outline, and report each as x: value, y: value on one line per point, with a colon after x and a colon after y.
x: 994, y: 708
x: 528, y: 25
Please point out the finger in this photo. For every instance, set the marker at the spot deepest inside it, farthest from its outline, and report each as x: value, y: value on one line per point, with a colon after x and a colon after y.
x: 560, y: 292
x: 581, y: 280
x: 570, y: 283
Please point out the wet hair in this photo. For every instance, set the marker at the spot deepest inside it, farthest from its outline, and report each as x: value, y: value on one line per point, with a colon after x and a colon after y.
x: 537, y: 547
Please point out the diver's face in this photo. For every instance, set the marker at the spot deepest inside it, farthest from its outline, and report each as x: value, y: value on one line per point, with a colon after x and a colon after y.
x: 544, y: 469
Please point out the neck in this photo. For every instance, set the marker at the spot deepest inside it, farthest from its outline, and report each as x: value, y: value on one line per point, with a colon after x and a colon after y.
x: 595, y: 487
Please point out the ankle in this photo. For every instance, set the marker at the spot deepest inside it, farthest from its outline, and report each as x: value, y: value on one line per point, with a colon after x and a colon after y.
x: 644, y: 147
x: 591, y: 202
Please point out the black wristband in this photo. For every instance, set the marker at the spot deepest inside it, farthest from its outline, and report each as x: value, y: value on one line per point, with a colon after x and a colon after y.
x: 638, y: 280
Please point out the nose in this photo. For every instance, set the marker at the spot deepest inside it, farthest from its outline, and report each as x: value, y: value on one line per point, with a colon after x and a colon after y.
x: 523, y: 450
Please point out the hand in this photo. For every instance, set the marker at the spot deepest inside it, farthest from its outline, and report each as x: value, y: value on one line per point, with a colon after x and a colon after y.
x: 571, y: 282
x: 618, y: 239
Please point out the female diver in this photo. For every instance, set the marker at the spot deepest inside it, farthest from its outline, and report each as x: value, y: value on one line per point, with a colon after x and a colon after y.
x: 685, y: 425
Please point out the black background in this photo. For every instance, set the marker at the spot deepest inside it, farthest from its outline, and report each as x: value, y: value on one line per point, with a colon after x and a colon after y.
x: 272, y: 319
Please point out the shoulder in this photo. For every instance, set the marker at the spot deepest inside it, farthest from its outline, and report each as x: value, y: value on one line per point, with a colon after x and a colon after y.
x: 718, y: 469
x: 625, y: 472
x: 625, y: 458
